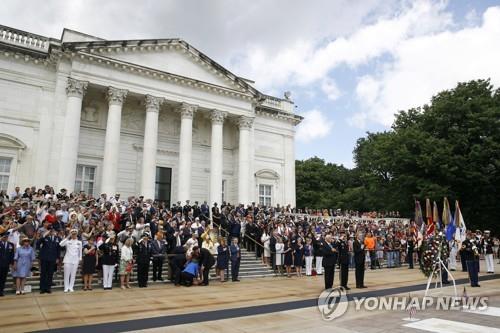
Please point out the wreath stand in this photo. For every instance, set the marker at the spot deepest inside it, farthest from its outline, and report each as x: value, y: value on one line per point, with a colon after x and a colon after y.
x: 436, y: 271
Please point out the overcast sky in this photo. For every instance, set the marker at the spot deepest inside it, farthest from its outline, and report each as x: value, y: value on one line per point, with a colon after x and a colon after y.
x: 350, y: 65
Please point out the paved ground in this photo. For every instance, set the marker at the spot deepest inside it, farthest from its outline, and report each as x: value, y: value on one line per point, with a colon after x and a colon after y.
x: 253, y: 305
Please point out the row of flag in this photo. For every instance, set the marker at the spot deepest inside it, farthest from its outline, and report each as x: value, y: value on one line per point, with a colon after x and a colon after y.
x: 451, y: 225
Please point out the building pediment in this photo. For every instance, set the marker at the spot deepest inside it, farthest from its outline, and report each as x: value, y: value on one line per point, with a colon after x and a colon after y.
x: 8, y: 141
x: 267, y: 174
x: 173, y: 56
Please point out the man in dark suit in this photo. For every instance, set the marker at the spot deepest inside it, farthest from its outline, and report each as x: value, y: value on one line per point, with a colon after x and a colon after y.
x: 206, y: 262
x: 234, y: 230
x: 330, y: 257
x: 359, y: 261
x: 6, y: 258
x: 143, y: 250
x: 235, y: 252
x: 204, y: 211
x: 158, y: 251
x: 48, y: 255
x: 177, y: 263
x: 343, y: 249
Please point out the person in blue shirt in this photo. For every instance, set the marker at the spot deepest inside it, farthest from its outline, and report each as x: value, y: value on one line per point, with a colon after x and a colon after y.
x: 235, y: 252
x: 191, y: 272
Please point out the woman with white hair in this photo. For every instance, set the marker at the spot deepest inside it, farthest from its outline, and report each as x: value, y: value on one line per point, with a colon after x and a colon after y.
x: 71, y: 259
x: 126, y: 263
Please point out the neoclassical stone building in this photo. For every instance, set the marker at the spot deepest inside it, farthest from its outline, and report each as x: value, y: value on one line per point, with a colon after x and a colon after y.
x: 152, y: 117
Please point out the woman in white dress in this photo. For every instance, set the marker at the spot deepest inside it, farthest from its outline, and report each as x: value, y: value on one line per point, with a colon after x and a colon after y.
x: 279, y: 254
x: 266, y: 239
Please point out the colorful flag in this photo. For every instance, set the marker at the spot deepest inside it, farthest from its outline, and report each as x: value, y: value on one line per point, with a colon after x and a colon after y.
x: 448, y: 220
x: 435, y: 216
x: 460, y: 223
x: 419, y: 220
x: 429, y: 216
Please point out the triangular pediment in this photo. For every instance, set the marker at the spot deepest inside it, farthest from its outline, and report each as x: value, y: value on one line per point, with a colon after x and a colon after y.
x: 172, y: 56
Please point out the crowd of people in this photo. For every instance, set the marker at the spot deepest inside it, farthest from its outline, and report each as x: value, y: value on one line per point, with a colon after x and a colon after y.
x: 75, y: 233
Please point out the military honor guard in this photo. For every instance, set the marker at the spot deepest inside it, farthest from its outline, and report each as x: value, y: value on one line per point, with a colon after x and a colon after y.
x: 7, y: 252
x: 73, y: 256
x: 487, y: 246
x: 48, y: 255
x: 471, y: 255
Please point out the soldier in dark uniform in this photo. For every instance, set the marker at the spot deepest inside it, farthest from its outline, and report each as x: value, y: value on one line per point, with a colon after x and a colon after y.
x: 196, y: 210
x: 471, y: 254
x: 186, y: 209
x: 7, y: 251
x: 410, y: 246
x: 48, y: 255
x: 144, y: 251
x: 343, y: 261
x: 330, y: 257
x: 359, y: 261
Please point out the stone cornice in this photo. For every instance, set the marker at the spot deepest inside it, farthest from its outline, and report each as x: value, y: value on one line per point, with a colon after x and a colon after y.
x: 116, y: 96
x: 293, y: 118
x: 160, y: 75
x: 76, y: 88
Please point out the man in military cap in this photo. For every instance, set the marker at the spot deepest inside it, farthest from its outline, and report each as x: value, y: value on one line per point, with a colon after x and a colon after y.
x: 487, y: 246
x: 7, y: 251
x: 471, y: 255
x: 186, y: 209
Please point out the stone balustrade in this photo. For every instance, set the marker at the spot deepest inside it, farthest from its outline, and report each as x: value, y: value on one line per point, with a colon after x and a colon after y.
x: 278, y: 103
x: 23, y: 39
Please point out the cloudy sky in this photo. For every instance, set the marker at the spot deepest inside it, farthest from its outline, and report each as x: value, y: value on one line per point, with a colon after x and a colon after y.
x: 350, y: 65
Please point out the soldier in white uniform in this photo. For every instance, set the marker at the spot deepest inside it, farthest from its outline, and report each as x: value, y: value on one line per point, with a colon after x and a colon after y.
x: 71, y: 259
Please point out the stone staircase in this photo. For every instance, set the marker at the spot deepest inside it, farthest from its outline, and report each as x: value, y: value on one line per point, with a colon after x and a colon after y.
x: 250, y: 267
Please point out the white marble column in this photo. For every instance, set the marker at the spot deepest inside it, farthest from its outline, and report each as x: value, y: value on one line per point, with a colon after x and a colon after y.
x: 115, y: 99
x: 150, y: 145
x: 75, y: 90
x: 216, y: 156
x: 185, y: 152
x: 245, y: 126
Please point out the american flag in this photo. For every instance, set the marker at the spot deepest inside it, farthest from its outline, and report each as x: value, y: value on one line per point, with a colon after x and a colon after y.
x: 411, y: 308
